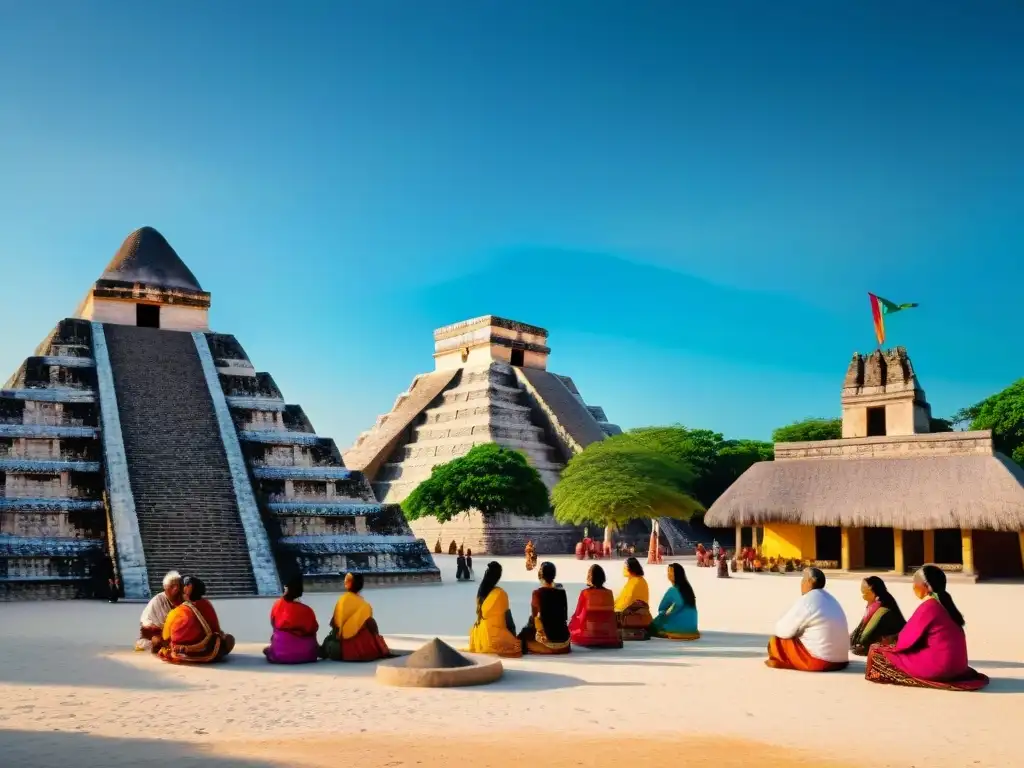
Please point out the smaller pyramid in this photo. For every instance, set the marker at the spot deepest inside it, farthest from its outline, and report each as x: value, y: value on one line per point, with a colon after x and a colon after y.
x: 437, y: 654
x: 491, y: 384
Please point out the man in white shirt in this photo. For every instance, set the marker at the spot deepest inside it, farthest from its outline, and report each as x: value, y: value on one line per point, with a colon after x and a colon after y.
x: 151, y: 623
x: 813, y: 635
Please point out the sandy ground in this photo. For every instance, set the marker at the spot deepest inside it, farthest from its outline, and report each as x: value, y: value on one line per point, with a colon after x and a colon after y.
x: 73, y: 693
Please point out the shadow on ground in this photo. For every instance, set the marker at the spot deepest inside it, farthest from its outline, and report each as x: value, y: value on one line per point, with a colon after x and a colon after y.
x: 53, y: 663
x: 30, y: 749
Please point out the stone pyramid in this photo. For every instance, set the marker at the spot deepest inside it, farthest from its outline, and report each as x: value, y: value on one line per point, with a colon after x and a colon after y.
x: 491, y: 384
x: 137, y: 440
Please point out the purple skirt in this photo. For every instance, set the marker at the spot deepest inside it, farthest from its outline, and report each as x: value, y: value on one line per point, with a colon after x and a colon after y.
x: 286, y: 648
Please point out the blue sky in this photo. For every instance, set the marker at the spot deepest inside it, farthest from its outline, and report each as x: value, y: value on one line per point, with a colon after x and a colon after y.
x: 693, y: 198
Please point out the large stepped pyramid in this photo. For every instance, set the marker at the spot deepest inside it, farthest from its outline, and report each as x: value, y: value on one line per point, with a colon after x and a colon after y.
x: 136, y: 437
x: 491, y: 384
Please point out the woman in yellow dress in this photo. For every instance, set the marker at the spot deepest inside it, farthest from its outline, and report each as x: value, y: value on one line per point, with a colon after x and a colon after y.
x: 632, y: 606
x: 494, y: 632
x: 354, y: 635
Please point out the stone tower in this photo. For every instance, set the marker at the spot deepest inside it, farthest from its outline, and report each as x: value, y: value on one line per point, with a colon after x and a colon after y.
x: 136, y: 436
x: 882, y: 397
x: 490, y: 384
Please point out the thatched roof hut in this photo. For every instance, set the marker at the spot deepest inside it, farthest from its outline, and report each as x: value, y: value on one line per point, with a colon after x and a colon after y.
x: 979, y: 490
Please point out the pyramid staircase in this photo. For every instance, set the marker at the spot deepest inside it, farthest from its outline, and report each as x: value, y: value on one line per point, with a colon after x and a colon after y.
x: 187, y: 511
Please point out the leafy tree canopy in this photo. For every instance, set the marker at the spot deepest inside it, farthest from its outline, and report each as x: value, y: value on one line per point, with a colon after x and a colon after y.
x: 715, y: 461
x: 809, y: 430
x: 488, y: 478
x: 1003, y: 413
x: 613, y: 482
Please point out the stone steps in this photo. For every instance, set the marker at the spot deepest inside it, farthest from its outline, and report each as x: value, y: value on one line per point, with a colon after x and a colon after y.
x: 184, y: 496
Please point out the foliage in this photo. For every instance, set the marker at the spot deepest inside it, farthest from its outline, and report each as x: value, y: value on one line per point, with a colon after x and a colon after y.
x: 941, y: 425
x: 715, y: 461
x: 488, y: 478
x: 1003, y: 413
x: 809, y: 430
x: 612, y: 482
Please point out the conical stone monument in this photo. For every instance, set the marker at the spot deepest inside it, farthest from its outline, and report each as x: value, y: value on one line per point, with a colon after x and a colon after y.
x: 136, y: 440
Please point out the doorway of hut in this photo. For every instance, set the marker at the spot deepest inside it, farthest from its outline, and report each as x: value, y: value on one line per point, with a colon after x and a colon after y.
x: 997, y: 555
x: 879, y: 549
x: 949, y: 547
x: 828, y: 543
x: 913, y: 549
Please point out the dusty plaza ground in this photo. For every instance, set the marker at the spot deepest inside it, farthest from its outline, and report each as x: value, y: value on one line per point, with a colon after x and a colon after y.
x: 72, y: 692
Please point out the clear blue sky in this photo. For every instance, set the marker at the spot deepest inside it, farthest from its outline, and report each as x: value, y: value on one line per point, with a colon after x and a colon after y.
x: 693, y: 198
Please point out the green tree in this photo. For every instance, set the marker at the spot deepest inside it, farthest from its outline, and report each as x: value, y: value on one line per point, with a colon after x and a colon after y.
x: 714, y: 461
x: 809, y: 430
x: 941, y: 425
x: 1003, y: 413
x: 488, y: 478
x: 611, y: 483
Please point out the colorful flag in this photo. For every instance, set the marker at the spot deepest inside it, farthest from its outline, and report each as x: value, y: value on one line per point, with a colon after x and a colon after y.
x: 879, y: 309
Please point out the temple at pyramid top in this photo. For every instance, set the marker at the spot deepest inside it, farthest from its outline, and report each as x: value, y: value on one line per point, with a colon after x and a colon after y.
x: 489, y: 339
x: 148, y: 285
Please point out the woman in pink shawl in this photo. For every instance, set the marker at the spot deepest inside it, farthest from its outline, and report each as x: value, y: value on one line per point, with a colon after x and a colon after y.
x: 931, y: 650
x: 295, y: 628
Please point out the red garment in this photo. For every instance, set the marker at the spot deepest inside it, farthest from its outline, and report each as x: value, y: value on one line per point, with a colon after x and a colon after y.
x: 593, y: 624
x: 293, y: 617
x: 367, y: 645
x: 206, y: 608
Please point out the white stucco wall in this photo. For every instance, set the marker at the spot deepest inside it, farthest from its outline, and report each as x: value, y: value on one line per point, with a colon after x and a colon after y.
x: 172, y: 317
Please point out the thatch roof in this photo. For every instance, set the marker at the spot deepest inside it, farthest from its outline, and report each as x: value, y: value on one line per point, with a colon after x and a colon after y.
x: 918, y: 493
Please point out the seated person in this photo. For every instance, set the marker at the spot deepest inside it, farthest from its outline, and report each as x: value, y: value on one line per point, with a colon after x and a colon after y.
x: 931, y: 650
x: 701, y: 556
x: 192, y: 633
x: 154, y: 615
x: 294, y: 628
x: 632, y: 606
x: 882, y: 620
x: 593, y: 624
x: 547, y: 630
x: 677, y: 613
x: 811, y: 637
x: 354, y: 635
x: 494, y: 632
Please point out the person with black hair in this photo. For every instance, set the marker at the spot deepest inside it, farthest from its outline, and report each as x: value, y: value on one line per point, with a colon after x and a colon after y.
x: 192, y: 633
x: 354, y: 635
x: 931, y: 650
x: 811, y: 637
x: 494, y: 631
x: 882, y: 620
x: 461, y: 571
x: 294, y: 628
x: 677, y: 613
x: 593, y: 624
x: 547, y: 631
x: 632, y: 606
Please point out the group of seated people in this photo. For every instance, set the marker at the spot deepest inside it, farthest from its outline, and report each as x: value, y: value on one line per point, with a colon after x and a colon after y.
x: 601, y: 619
x: 180, y: 626
x: 928, y: 651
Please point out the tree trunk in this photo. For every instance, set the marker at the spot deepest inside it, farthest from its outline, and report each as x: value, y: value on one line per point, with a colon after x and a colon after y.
x: 608, y: 531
